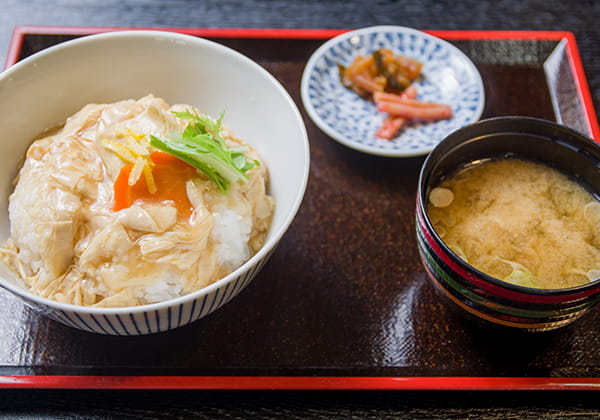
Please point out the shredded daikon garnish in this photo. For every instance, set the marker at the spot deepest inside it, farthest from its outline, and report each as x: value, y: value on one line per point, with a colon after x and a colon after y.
x: 135, y: 151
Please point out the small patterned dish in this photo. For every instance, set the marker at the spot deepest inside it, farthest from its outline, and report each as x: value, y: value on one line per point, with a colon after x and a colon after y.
x: 449, y: 77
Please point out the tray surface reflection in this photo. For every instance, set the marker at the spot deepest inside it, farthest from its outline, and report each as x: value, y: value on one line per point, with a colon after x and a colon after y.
x: 345, y: 293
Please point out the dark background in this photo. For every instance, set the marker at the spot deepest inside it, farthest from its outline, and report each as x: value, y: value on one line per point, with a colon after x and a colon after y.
x: 579, y: 17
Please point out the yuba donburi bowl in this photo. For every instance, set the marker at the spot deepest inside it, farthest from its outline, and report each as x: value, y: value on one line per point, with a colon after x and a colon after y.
x: 104, y: 111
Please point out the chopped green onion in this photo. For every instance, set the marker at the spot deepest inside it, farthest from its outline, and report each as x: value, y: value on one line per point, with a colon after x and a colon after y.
x: 202, y: 145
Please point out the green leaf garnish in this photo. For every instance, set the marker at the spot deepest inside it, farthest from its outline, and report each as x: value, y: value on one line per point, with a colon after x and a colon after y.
x: 202, y: 145
x: 521, y: 276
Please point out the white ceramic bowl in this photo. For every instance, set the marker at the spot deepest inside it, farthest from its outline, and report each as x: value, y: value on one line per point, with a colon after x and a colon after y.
x: 449, y: 77
x: 42, y: 90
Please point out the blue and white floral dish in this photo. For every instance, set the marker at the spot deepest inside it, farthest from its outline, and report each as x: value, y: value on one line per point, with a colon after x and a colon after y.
x: 449, y: 78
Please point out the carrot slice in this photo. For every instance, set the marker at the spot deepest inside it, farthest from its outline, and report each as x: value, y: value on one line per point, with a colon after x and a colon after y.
x: 409, y: 94
x: 170, y: 175
x: 365, y: 83
x: 428, y: 113
x: 392, y: 124
x: 390, y: 127
x: 396, y: 99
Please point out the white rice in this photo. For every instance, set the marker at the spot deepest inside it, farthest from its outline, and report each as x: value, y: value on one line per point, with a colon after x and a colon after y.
x: 231, y: 232
x: 162, y: 290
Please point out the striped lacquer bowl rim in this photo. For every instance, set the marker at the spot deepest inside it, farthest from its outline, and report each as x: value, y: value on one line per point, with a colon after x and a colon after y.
x: 492, y: 301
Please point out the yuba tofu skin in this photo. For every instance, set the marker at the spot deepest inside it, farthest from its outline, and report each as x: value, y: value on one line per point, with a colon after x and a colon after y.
x: 174, y: 232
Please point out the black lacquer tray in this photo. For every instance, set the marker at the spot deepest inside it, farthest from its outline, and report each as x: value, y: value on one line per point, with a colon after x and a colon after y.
x: 344, y: 302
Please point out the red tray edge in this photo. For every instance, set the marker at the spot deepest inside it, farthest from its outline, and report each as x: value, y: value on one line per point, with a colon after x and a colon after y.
x: 20, y: 31
x: 583, y: 91
x: 455, y: 383
x: 311, y: 382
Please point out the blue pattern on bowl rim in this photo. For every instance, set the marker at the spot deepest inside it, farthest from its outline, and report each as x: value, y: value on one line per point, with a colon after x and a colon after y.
x: 449, y: 78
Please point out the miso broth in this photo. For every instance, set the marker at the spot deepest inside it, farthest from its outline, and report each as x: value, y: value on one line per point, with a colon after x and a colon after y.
x: 521, y: 222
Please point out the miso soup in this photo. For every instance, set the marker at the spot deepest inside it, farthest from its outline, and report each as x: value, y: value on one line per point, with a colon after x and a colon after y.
x: 521, y: 222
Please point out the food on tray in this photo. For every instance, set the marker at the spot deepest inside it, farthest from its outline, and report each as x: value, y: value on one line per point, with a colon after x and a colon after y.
x: 521, y: 222
x: 133, y: 203
x: 387, y: 79
x: 381, y: 71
